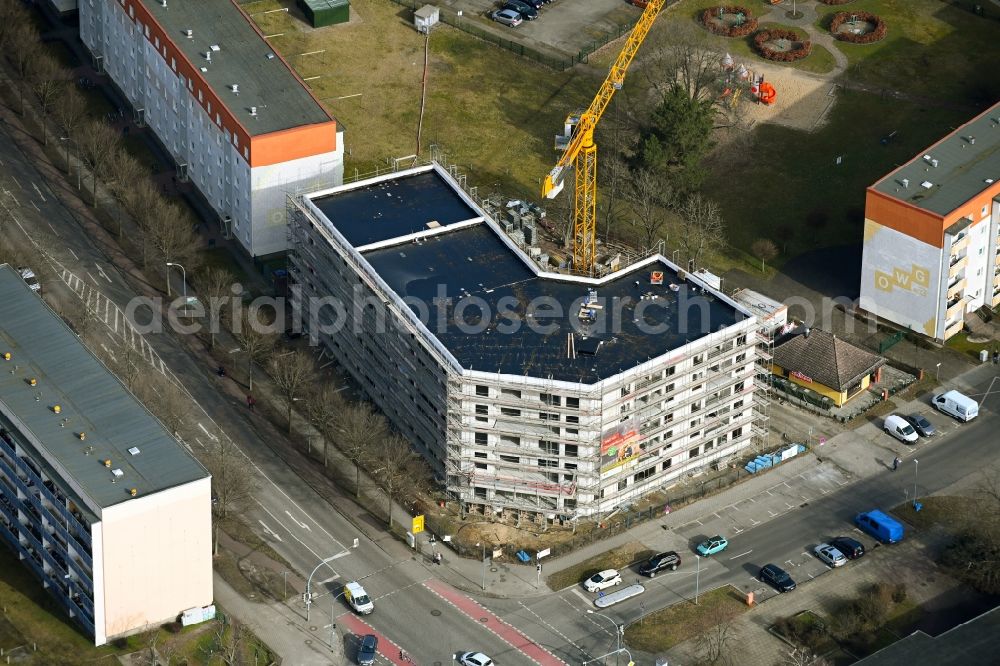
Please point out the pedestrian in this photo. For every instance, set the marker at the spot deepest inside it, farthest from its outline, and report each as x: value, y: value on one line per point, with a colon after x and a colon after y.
x: 895, y: 463
x: 996, y: 357
x: 251, y: 402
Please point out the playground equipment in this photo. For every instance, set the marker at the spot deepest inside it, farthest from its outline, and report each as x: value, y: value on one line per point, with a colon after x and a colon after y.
x: 737, y: 80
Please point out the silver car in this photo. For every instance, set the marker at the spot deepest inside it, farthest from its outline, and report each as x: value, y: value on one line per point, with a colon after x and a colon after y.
x: 830, y: 555
x: 507, y: 17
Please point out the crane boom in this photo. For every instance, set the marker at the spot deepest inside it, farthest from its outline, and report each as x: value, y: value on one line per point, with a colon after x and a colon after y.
x: 581, y: 152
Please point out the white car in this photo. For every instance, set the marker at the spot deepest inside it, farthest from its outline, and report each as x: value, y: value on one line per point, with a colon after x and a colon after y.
x: 900, y: 428
x: 358, y: 599
x: 602, y: 580
x: 30, y: 278
x: 830, y: 555
x: 475, y: 659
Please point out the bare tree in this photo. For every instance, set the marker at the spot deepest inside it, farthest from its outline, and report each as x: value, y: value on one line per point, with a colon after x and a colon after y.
x: 675, y: 55
x: 232, y: 643
x: 715, y: 640
x: 123, y: 172
x: 173, y: 236
x: 215, y: 284
x: 145, y: 206
x: 48, y: 83
x: 97, y: 143
x: 254, y: 337
x: 802, y: 657
x: 323, y: 408
x: 233, y: 483
x: 649, y: 195
x: 292, y: 373
x: 361, y: 429
x: 69, y: 112
x: 25, y: 44
x: 615, y: 173
x: 12, y: 15
x: 397, y: 466
x: 765, y: 250
x: 700, y: 228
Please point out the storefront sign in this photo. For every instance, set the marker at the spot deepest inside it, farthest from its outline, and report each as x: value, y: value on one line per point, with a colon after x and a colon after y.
x: 799, y: 375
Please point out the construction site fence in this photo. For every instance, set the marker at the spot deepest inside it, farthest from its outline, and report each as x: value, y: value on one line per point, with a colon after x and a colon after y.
x: 557, y: 62
x: 616, y: 523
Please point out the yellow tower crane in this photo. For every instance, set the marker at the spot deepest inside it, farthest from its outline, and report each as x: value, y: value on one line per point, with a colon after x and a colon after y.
x: 580, y: 151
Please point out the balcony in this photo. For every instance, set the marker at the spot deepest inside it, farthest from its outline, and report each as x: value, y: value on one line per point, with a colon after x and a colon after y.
x: 956, y: 287
x: 954, y: 309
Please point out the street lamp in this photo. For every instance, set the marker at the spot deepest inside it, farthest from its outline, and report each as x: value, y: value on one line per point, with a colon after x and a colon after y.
x: 183, y: 278
x: 697, y: 578
x: 309, y: 583
x: 619, y: 632
x: 916, y: 466
x: 937, y: 374
x: 79, y: 175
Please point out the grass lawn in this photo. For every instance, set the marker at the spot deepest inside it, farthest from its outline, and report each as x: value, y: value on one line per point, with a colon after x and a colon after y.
x: 788, y: 187
x: 675, y: 624
x: 932, y: 47
x: 619, y: 558
x: 938, y: 510
x: 960, y: 343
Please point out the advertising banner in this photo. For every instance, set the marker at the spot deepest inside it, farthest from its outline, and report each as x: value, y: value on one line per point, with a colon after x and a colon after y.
x: 620, y: 444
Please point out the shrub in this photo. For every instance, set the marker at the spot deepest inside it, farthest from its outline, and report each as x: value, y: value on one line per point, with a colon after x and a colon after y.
x: 801, y: 48
x: 709, y: 19
x: 899, y: 593
x: 173, y: 627
x: 876, y: 34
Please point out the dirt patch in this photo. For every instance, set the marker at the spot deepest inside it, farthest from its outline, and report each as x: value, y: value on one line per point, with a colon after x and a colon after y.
x: 803, y: 101
x: 673, y: 625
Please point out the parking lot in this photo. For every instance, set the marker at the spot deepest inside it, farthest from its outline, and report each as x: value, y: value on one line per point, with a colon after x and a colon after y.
x: 567, y: 26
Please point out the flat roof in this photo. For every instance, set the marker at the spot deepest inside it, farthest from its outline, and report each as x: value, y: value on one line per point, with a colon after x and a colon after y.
x: 91, y: 399
x: 504, y: 314
x: 973, y: 642
x: 952, y: 171
x: 282, y: 100
x: 386, y: 209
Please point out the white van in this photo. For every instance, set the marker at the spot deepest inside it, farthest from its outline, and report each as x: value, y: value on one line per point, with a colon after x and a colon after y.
x: 957, y: 405
x: 900, y: 428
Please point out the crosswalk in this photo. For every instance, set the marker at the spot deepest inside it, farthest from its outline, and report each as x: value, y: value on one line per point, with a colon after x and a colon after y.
x: 107, y: 312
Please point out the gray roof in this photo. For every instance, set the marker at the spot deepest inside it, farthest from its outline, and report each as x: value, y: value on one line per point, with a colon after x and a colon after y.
x: 974, y: 642
x: 281, y: 99
x: 92, y: 400
x: 966, y: 159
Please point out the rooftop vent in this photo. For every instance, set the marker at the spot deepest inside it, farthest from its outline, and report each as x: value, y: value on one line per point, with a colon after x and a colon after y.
x: 134, y: 450
x: 927, y: 184
x: 433, y: 224
x: 253, y: 110
x: 133, y: 491
x: 934, y: 163
x: 270, y: 56
x: 989, y: 181
x: 203, y: 69
x: 107, y: 462
x: 971, y: 139
x: 116, y: 474
x: 32, y: 382
x: 906, y: 182
x: 57, y: 408
x: 189, y: 33
x: 6, y: 356
x: 82, y: 436
x: 215, y: 47
x: 163, y: 3
x: 208, y: 56
x: 235, y: 88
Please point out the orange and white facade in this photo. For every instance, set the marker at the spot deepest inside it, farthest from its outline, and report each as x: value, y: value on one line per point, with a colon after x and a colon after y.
x: 234, y: 116
x: 932, y: 233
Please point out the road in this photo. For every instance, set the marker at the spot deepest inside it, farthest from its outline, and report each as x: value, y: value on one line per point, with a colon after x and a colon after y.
x: 288, y: 511
x: 759, y: 534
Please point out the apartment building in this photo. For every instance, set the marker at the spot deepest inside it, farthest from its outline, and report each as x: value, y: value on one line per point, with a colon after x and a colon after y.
x: 932, y: 233
x: 237, y: 120
x: 97, y: 499
x: 525, y: 390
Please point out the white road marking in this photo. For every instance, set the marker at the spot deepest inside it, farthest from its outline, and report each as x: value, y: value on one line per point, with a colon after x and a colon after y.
x: 14, y: 178
x: 741, y: 554
x: 580, y: 594
x: 210, y: 435
x: 102, y: 273
x: 35, y: 206
x: 270, y: 531
x: 297, y: 522
x: 38, y: 190
x: 91, y: 277
x: 73, y: 253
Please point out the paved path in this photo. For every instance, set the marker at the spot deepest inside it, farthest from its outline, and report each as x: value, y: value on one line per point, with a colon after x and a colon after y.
x: 806, y: 21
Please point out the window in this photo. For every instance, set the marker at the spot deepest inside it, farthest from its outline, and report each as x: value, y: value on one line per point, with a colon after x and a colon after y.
x: 570, y: 451
x: 572, y: 419
x: 482, y: 409
x: 644, y: 474
x: 481, y: 454
x: 709, y: 445
x: 548, y: 416
x: 482, y: 390
x: 510, y: 459
x: 549, y: 399
x: 693, y: 453
x: 671, y: 370
x: 738, y: 432
x: 666, y: 464
x: 699, y: 359
x: 507, y: 411
x: 623, y: 484
x: 552, y: 448
x: 573, y: 403
x: 510, y: 393
x: 569, y: 465
x: 481, y: 465
x: 482, y: 438
x: 542, y: 462
x: 480, y: 493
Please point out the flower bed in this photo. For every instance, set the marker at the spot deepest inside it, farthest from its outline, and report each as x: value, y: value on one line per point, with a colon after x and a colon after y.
x: 874, y: 35
x: 713, y: 19
x: 800, y: 48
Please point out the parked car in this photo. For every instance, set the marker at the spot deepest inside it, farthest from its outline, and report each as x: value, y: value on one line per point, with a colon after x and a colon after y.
x: 777, y: 578
x: 898, y: 427
x: 923, y: 427
x: 602, y: 580
x: 475, y: 659
x: 850, y: 548
x: 537, y: 4
x: 524, y: 9
x: 510, y: 17
x: 657, y: 563
x: 30, y: 278
x: 712, y: 545
x: 367, y: 649
x: 880, y: 526
x: 956, y: 405
x: 830, y: 555
x: 358, y: 599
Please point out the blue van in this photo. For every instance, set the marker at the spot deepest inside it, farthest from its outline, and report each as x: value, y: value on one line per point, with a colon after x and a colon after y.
x: 880, y: 526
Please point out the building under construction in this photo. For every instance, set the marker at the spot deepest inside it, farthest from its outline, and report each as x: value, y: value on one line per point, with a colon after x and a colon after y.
x: 526, y: 389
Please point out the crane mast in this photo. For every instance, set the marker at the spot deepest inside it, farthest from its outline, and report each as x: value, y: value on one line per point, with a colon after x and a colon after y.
x: 581, y: 152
